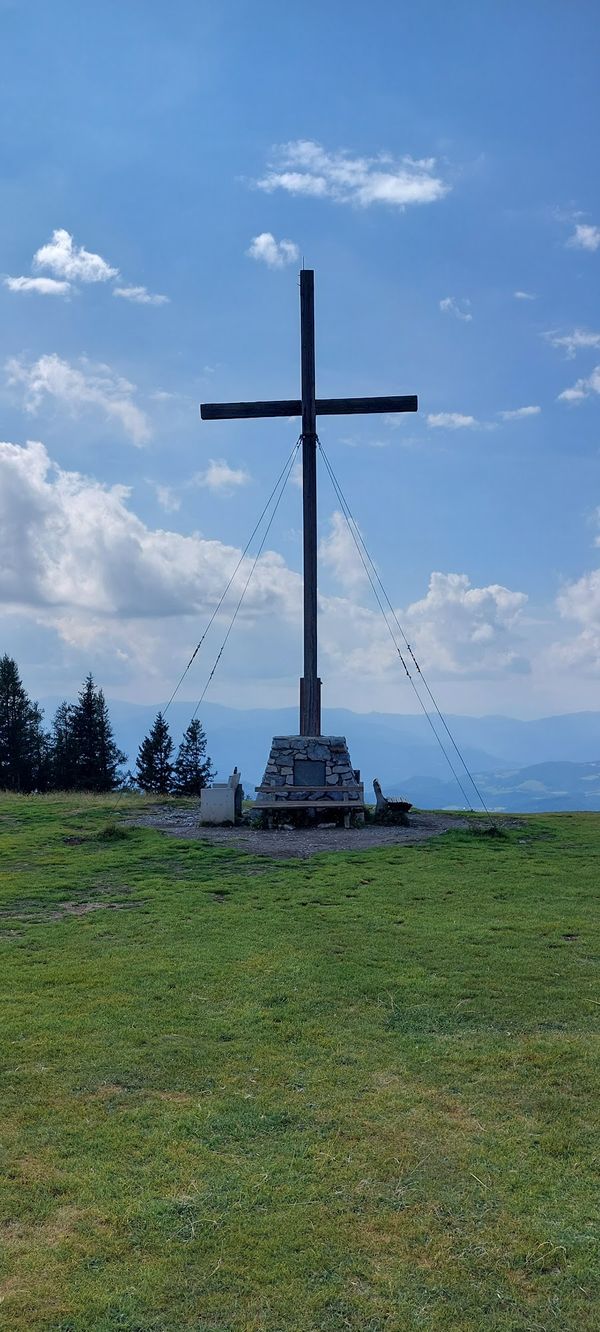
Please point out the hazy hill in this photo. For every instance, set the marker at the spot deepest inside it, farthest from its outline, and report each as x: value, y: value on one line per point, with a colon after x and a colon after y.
x: 401, y: 751
x: 542, y: 787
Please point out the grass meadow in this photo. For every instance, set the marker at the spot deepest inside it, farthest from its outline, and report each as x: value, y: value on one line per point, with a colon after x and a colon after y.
x: 353, y: 1093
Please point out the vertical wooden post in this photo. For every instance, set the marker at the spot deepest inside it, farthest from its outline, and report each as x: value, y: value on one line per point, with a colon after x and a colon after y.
x: 310, y: 685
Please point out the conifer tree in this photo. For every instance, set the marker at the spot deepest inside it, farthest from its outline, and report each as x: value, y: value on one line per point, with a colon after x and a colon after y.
x: 23, y: 745
x: 40, y: 752
x: 193, y: 770
x: 84, y: 753
x: 109, y: 756
x: 97, y: 756
x: 63, y: 749
x: 154, y: 770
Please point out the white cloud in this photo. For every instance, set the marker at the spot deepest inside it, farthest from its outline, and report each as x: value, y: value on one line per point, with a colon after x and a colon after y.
x: 304, y: 167
x: 578, y: 340
x: 524, y: 296
x: 359, y: 442
x: 167, y: 497
x: 585, y: 237
x: 338, y: 552
x: 276, y: 254
x: 80, y: 388
x: 582, y: 388
x: 140, y: 296
x: 580, y: 602
x: 456, y: 630
x: 296, y: 477
x: 518, y: 413
x: 67, y: 542
x: 220, y: 477
x: 450, y: 305
x: 44, y: 286
x: 101, y: 589
x: 460, y: 628
x: 71, y: 261
x: 450, y: 420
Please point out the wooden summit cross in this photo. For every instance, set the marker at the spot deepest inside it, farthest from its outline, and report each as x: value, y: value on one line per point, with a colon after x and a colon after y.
x: 308, y: 407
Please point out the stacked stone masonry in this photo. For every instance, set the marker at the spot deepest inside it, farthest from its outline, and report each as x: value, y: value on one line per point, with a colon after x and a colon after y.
x: 288, y: 771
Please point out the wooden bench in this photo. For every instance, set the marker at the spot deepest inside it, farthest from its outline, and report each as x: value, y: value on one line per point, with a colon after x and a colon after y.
x: 285, y: 798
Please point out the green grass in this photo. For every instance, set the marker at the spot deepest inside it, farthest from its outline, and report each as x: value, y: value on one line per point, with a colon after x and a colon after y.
x: 350, y: 1093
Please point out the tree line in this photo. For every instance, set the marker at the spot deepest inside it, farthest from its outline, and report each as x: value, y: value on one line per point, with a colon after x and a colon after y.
x: 79, y: 751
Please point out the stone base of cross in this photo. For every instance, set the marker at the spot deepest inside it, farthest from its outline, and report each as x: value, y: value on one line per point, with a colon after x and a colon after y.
x: 310, y: 776
x: 309, y: 407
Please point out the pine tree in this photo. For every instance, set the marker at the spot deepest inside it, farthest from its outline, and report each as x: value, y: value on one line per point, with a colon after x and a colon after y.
x: 40, y: 752
x: 85, y: 728
x: 23, y: 744
x: 109, y: 756
x: 98, y: 757
x: 154, y: 770
x: 84, y: 754
x: 193, y: 770
x: 63, y: 749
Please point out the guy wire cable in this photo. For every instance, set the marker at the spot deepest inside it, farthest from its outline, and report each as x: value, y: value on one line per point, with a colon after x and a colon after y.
x: 282, y: 478
x: 358, y: 538
x: 213, y: 617
x: 393, y: 638
x: 288, y: 470
x: 409, y: 649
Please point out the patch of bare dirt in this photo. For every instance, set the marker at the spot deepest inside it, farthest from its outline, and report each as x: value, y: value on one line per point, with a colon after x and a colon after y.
x: 49, y: 1233
x: 35, y: 913
x: 298, y: 843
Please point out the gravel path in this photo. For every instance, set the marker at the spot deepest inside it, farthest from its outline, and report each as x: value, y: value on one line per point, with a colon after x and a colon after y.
x: 301, y: 842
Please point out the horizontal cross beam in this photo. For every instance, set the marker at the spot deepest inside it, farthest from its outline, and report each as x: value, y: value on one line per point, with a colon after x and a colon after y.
x: 235, y: 411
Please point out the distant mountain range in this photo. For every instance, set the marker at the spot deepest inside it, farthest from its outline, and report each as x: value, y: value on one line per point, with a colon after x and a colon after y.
x: 543, y: 786
x: 550, y: 763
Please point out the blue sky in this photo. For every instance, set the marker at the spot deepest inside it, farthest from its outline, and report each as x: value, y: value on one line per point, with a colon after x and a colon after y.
x: 430, y: 162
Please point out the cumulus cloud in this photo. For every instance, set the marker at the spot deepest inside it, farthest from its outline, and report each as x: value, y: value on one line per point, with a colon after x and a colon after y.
x: 44, y: 286
x: 140, y: 296
x: 458, y: 308
x: 69, y: 541
x: 456, y: 630
x: 519, y: 413
x: 338, y: 552
x: 578, y: 340
x: 306, y: 168
x: 584, y: 237
x: 68, y: 260
x: 75, y: 559
x: 79, y: 388
x: 73, y: 264
x: 221, y: 478
x: 78, y: 566
x: 579, y: 602
x: 276, y: 254
x: 168, y: 498
x: 583, y: 388
x: 524, y: 296
x: 450, y: 420
x: 460, y: 628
